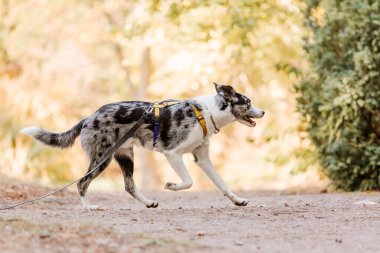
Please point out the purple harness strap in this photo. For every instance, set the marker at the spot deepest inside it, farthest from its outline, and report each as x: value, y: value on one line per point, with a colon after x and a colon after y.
x: 157, y: 106
x: 155, y: 132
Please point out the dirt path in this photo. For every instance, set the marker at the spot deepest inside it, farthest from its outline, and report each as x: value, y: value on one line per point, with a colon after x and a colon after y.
x: 186, y: 221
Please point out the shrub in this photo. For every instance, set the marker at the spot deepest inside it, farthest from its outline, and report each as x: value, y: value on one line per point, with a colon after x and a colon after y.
x: 339, y: 97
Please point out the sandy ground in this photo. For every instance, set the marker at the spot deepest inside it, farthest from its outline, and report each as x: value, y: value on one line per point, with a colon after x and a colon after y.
x: 190, y: 222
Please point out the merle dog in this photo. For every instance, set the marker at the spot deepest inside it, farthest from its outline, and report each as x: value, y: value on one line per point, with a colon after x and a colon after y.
x: 179, y: 133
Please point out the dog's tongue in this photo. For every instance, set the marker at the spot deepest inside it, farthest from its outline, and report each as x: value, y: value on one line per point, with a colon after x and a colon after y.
x: 253, y: 123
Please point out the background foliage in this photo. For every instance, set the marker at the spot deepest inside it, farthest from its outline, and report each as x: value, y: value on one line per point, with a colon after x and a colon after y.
x: 340, y: 95
x: 61, y: 60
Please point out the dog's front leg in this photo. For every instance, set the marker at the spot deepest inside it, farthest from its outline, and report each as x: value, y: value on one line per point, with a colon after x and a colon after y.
x: 176, y: 162
x: 202, y: 158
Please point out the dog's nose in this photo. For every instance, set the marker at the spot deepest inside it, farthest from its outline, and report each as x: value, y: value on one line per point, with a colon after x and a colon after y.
x: 263, y: 113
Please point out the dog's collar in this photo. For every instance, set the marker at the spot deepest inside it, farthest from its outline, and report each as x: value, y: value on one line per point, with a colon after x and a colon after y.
x: 217, y: 130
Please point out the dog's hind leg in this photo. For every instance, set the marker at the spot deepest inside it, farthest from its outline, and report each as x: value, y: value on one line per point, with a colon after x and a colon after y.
x: 202, y: 158
x: 124, y: 157
x: 177, y: 164
x: 85, y: 182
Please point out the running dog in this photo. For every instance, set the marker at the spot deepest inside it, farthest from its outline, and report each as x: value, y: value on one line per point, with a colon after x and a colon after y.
x: 179, y: 132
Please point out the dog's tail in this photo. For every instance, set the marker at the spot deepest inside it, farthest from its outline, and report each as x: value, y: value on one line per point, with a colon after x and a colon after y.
x: 61, y: 140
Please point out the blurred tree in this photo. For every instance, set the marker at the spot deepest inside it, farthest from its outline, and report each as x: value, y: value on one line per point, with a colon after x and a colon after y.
x: 339, y: 96
x: 8, y: 67
x: 83, y: 54
x: 256, y: 47
x: 117, y: 15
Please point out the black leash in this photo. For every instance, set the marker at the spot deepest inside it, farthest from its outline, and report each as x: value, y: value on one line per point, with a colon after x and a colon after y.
x: 105, y: 157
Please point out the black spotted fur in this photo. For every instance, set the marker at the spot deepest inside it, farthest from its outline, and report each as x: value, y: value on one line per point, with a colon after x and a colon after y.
x: 101, y: 130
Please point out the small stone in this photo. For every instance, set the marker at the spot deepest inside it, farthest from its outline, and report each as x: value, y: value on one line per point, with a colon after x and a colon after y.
x: 200, y: 233
x: 239, y: 243
x: 44, y: 236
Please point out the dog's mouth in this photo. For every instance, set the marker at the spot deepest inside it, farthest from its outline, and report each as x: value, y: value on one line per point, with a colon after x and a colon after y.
x: 246, y: 120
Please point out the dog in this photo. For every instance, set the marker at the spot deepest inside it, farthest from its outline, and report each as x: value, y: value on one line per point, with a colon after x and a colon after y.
x: 180, y: 132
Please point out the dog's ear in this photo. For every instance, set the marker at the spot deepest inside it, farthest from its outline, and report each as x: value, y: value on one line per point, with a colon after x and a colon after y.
x: 226, y: 90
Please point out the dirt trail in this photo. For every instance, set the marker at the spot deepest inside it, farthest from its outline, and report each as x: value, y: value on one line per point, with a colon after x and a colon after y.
x: 191, y: 222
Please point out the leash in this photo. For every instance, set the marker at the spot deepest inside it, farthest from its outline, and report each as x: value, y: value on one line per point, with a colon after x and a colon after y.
x: 105, y: 157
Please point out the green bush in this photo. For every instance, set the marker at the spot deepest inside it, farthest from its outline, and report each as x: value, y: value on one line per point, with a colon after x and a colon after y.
x: 339, y: 96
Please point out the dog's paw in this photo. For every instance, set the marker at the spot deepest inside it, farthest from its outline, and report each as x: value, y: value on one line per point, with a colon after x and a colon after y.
x: 154, y: 204
x: 171, y: 186
x: 241, y: 202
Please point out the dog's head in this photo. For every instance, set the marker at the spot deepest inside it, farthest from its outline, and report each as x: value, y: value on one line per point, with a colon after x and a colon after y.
x: 241, y: 106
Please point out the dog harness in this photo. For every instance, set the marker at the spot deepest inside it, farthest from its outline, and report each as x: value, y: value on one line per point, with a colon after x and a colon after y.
x: 158, y: 105
x: 145, y: 116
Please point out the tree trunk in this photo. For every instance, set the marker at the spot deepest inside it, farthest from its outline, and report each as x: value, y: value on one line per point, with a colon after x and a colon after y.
x: 150, y: 176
